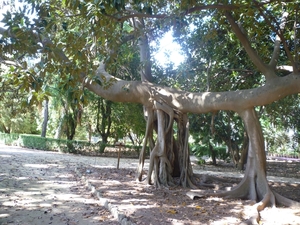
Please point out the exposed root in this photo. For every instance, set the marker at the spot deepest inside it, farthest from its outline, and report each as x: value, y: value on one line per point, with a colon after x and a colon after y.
x: 269, y: 198
x: 283, y: 201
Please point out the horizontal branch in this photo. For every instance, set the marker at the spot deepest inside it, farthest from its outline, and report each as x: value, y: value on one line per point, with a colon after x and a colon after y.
x: 202, y: 102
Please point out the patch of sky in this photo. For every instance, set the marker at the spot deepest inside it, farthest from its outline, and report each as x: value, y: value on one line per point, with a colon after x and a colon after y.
x: 16, y: 6
x: 168, y: 51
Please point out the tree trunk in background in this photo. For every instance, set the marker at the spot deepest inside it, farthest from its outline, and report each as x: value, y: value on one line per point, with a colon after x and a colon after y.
x: 71, y: 124
x: 233, y: 149
x: 89, y: 129
x: 46, y: 117
x: 244, y: 152
x: 213, y: 154
x: 103, y: 124
x: 59, y: 129
x: 6, y: 130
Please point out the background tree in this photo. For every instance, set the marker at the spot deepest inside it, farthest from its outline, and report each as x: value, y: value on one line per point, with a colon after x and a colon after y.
x: 17, y: 115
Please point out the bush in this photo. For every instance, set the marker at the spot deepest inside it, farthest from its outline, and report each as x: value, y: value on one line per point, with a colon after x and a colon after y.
x: 33, y: 141
x: 9, y: 139
x: 203, y: 150
x: 51, y: 144
x: 60, y: 145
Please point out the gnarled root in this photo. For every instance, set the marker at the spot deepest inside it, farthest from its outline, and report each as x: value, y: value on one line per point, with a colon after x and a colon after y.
x: 243, y: 191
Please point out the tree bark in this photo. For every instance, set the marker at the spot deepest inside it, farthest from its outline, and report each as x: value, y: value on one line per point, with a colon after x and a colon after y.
x: 45, y: 119
x: 244, y: 152
x: 103, y: 126
x: 190, y: 102
x: 59, y: 129
x: 254, y: 185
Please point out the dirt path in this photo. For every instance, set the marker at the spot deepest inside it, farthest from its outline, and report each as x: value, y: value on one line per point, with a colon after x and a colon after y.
x: 38, y: 187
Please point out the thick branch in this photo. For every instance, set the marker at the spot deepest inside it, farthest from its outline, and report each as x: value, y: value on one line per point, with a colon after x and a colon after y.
x: 280, y: 35
x: 145, y: 70
x: 276, y: 51
x: 203, y: 102
x: 250, y: 51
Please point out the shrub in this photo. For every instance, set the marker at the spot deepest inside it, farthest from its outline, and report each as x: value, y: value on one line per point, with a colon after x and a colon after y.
x: 60, y: 145
x: 9, y: 139
x: 203, y: 150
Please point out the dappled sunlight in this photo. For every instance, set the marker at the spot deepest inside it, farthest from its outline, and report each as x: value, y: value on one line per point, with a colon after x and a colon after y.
x: 37, y: 165
x: 112, y: 167
x: 40, y: 186
x: 53, y: 192
x: 142, y: 202
x: 44, y: 166
x: 5, y: 156
x: 3, y: 215
x: 279, y: 216
x: 42, y: 197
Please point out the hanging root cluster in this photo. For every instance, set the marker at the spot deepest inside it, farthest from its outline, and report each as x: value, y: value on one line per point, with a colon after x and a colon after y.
x: 169, y: 153
x: 169, y: 158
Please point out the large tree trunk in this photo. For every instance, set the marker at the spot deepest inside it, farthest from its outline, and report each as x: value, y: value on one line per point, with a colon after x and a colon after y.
x: 254, y: 185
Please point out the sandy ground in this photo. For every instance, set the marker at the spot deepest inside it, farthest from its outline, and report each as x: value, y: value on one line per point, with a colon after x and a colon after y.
x: 38, y: 187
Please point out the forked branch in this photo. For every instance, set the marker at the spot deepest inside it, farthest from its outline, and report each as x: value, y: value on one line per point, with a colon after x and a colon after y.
x: 258, y: 62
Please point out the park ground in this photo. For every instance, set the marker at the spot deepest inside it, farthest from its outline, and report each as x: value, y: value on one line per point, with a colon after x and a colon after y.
x: 38, y: 187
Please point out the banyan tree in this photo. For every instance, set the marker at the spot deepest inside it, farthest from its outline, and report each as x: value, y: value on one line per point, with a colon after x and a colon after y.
x: 79, y: 40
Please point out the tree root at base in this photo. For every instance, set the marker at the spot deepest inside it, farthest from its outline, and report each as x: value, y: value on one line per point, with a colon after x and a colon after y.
x: 243, y: 191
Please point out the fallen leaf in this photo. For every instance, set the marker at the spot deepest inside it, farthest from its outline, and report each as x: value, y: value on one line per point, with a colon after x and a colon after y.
x: 172, y: 211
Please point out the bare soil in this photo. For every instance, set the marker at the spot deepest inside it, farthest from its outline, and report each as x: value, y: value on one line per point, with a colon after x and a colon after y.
x: 39, y: 187
x: 145, y: 204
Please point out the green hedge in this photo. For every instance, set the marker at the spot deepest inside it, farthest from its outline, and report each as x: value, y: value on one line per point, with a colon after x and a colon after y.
x: 51, y: 144
x: 60, y: 145
x: 203, y: 150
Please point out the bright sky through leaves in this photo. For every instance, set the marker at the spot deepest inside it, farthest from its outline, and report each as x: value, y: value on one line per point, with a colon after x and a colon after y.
x: 168, y: 51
